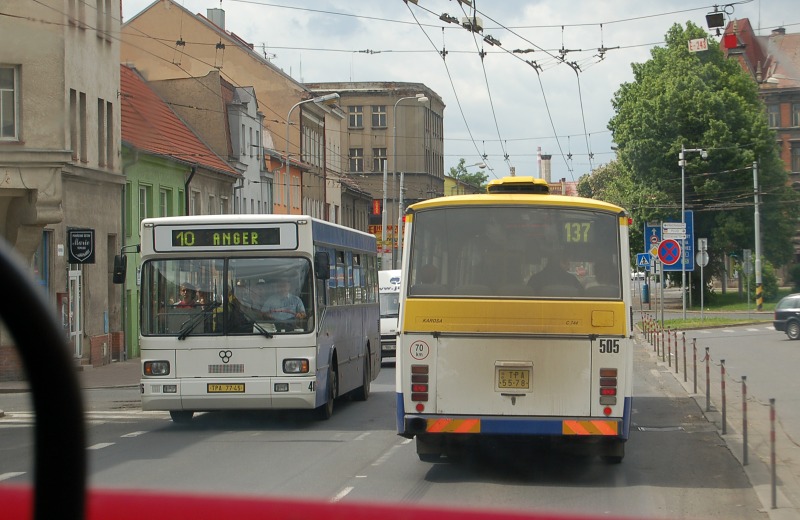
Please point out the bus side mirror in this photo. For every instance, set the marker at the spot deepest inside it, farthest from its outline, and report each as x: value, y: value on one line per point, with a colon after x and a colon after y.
x: 322, y: 265
x: 120, y: 266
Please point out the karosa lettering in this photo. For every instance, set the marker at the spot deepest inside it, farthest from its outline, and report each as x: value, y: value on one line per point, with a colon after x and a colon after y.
x: 431, y: 320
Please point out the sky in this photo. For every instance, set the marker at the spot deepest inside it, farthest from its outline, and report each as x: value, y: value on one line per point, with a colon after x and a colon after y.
x: 548, y: 83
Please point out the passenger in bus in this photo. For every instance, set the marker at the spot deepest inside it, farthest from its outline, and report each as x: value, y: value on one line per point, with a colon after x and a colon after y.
x: 188, y: 296
x: 282, y: 306
x: 555, y: 278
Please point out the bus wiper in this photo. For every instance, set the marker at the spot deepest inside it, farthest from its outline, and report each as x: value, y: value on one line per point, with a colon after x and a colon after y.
x: 192, y: 323
x: 264, y: 332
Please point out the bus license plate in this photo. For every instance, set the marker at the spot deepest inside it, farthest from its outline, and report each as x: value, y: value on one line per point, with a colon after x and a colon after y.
x: 219, y: 388
x: 513, y: 378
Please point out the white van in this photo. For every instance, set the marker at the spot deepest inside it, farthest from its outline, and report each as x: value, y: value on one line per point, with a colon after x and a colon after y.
x: 389, y: 289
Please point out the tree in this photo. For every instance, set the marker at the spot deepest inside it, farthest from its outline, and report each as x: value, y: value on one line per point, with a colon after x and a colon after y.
x: 460, y: 173
x: 703, y: 101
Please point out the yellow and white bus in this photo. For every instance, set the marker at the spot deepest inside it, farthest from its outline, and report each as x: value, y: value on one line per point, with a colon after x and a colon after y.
x: 515, y: 321
x: 277, y: 311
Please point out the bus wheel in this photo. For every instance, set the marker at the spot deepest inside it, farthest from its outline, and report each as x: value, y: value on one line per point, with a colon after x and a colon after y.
x: 427, y: 450
x: 181, y: 416
x: 613, y: 453
x: 362, y: 393
x: 325, y: 411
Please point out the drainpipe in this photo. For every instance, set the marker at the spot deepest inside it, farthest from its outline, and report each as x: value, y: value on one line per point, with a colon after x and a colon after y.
x: 186, y: 190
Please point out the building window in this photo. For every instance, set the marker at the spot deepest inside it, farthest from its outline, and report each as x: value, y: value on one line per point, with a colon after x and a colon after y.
x: 795, y: 157
x: 145, y: 194
x: 195, y: 203
x: 355, y: 117
x: 795, y: 114
x: 83, y: 143
x: 165, y: 202
x: 109, y: 135
x: 73, y: 122
x: 101, y: 132
x: 378, y: 159
x: 774, y: 115
x: 9, y: 102
x: 378, y: 116
x: 356, y: 160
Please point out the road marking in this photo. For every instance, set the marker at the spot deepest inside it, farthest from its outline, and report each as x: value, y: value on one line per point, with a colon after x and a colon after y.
x: 343, y: 493
x: 132, y: 434
x: 100, y: 446
x: 11, y: 474
x: 362, y: 436
x: 383, y: 458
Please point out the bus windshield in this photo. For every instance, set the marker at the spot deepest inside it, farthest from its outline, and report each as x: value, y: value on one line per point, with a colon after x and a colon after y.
x: 515, y: 251
x: 227, y: 296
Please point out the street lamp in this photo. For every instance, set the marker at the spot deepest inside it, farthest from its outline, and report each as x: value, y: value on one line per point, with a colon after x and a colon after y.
x: 319, y: 99
x: 421, y: 98
x: 682, y: 164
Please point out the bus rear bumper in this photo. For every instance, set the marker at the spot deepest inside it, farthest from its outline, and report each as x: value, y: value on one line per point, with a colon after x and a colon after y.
x: 258, y: 393
x: 530, y: 426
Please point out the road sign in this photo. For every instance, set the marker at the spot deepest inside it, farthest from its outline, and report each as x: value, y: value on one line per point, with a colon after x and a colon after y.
x: 687, y: 244
x: 669, y: 252
x: 652, y: 237
x: 702, y: 258
x: 675, y: 230
x: 643, y: 259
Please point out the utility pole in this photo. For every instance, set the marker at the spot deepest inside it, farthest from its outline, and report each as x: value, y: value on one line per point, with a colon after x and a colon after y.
x: 757, y: 225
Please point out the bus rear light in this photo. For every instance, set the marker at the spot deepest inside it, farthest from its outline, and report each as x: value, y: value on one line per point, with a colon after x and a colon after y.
x: 608, y: 381
x: 608, y: 400
x: 419, y: 396
x: 608, y: 372
x: 419, y: 369
x: 419, y: 383
x: 608, y: 391
x: 156, y: 368
x: 607, y: 411
x: 419, y: 378
x: 420, y: 407
x: 419, y: 388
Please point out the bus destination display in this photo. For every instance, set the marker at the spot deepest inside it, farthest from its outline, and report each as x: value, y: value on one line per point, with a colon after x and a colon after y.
x: 254, y: 237
x: 225, y: 237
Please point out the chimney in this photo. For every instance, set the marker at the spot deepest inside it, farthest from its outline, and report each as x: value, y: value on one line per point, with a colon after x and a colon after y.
x: 217, y: 17
x: 546, y: 168
x: 779, y: 31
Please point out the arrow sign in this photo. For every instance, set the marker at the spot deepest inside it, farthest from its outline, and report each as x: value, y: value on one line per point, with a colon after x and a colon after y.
x: 669, y: 251
x: 643, y: 259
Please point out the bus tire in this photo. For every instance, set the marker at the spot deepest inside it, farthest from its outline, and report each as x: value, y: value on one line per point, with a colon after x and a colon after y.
x: 181, y: 416
x: 613, y: 453
x: 362, y: 393
x: 324, y: 412
x: 427, y: 450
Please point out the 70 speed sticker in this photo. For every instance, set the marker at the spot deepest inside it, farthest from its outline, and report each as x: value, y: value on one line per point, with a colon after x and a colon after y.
x: 419, y: 350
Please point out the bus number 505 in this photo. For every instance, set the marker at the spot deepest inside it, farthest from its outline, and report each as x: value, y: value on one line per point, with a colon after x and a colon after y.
x: 609, y: 346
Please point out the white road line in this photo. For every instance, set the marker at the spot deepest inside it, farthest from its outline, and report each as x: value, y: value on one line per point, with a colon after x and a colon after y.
x: 11, y: 474
x: 132, y: 434
x: 362, y: 436
x: 100, y: 446
x: 343, y: 493
x: 383, y: 458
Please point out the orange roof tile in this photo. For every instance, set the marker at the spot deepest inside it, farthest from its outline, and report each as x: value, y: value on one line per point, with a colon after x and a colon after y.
x: 150, y: 125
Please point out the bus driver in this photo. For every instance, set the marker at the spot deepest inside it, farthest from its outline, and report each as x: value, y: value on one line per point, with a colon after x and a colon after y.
x: 282, y: 306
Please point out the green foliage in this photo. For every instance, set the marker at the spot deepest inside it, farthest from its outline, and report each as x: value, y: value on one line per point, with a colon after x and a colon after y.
x: 460, y: 172
x: 769, y: 282
x: 698, y: 101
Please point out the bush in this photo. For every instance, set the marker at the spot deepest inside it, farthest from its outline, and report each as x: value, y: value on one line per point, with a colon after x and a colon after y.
x: 769, y: 282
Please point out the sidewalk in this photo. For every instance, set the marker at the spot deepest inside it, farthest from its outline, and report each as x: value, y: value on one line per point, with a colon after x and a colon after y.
x: 118, y: 374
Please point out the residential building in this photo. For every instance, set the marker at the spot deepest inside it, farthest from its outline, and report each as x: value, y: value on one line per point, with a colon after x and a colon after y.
x: 203, y: 45
x: 169, y: 171
x: 773, y: 61
x: 453, y: 186
x: 387, y: 127
x: 61, y: 184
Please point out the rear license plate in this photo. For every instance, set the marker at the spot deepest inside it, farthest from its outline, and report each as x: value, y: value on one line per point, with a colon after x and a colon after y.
x: 513, y: 378
x: 219, y: 388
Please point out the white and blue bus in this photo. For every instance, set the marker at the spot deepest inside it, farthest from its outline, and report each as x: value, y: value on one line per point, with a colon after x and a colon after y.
x: 515, y: 322
x: 212, y: 335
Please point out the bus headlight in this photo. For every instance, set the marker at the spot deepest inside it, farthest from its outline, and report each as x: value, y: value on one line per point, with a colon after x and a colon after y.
x: 295, y: 366
x: 156, y: 368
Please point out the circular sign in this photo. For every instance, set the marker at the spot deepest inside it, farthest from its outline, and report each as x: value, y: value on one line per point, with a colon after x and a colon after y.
x: 669, y: 251
x: 419, y: 350
x: 702, y: 258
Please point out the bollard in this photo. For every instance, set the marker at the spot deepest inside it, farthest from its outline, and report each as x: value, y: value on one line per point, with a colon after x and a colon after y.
x: 708, y: 382
x: 744, y: 421
x: 724, y: 402
x: 669, y: 348
x: 694, y: 362
x: 663, y: 350
x: 683, y: 337
x: 772, y: 452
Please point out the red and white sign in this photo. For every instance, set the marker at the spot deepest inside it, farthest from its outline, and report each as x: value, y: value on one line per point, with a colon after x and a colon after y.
x: 700, y: 44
